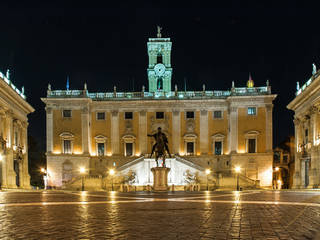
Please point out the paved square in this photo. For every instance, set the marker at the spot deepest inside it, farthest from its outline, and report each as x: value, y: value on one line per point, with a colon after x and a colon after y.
x: 200, y: 215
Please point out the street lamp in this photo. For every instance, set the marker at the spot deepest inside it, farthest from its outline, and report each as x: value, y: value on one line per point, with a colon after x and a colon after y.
x: 238, y: 169
x: 45, y: 177
x: 111, y: 172
x: 82, y: 170
x: 208, y: 171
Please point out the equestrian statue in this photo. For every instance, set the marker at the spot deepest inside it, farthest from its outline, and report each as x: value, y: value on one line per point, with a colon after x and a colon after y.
x: 160, y: 147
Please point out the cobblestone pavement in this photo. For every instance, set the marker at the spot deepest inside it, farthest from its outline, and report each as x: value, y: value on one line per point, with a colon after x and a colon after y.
x: 202, y: 215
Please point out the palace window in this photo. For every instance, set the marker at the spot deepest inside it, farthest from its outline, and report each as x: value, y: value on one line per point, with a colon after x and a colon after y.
x: 67, y: 147
x: 159, y: 58
x: 218, y: 148
x: 129, y: 145
x: 251, y: 141
x: 190, y: 148
x: 100, y: 145
x: 66, y: 142
x: 190, y: 115
x: 217, y: 140
x: 101, y: 115
x: 128, y: 115
x: 159, y: 115
x: 100, y: 149
x: 190, y: 144
x: 66, y: 113
x: 217, y: 114
x: 251, y: 145
x: 129, y: 149
x: 16, y: 138
x: 252, y: 111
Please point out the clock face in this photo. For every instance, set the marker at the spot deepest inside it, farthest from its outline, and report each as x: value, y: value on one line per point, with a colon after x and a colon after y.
x: 159, y: 69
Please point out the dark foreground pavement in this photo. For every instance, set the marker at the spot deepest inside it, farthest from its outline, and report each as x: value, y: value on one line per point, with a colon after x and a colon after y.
x: 204, y: 215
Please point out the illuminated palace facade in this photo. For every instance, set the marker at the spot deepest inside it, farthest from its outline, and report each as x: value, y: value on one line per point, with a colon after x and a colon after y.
x: 13, y: 135
x: 306, y: 107
x: 205, y: 129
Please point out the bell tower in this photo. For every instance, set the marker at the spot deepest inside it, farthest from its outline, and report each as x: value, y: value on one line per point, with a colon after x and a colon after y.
x: 159, y: 69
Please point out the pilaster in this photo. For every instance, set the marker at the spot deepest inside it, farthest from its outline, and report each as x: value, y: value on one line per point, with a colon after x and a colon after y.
x: 233, y: 129
x: 85, y: 130
x: 143, y: 132
x: 297, y: 174
x: 204, y: 137
x: 176, y: 131
x: 269, y: 108
x: 49, y: 130
x: 115, y: 143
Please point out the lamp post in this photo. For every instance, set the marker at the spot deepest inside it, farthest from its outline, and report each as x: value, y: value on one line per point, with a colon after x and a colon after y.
x: 45, y: 177
x: 82, y: 171
x: 208, y: 171
x: 111, y: 172
x: 238, y: 169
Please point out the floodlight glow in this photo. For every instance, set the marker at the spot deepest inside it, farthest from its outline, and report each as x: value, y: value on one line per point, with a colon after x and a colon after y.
x: 111, y: 172
x: 238, y: 169
x: 208, y: 171
x: 82, y: 170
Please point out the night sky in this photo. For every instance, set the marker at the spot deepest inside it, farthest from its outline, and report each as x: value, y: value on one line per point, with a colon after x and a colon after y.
x: 104, y: 46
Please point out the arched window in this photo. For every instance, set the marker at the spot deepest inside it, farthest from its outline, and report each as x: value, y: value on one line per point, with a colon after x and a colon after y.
x: 159, y: 58
x: 160, y: 83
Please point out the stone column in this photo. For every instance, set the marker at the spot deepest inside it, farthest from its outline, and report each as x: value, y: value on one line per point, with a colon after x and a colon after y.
x: 49, y: 130
x: 269, y: 108
x: 115, y: 142
x: 85, y: 130
x: 313, y: 176
x: 11, y: 175
x: 297, y: 174
x: 143, y: 132
x: 176, y: 131
x: 204, y: 137
x: 233, y: 129
x: 25, y: 177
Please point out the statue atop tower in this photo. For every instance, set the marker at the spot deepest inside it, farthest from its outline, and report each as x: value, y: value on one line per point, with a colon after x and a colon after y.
x: 159, y: 69
x: 159, y: 31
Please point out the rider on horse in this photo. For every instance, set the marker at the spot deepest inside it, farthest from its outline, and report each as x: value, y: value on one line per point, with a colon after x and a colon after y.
x: 160, y: 145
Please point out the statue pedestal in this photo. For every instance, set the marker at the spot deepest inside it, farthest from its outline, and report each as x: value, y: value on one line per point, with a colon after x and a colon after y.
x: 160, y: 179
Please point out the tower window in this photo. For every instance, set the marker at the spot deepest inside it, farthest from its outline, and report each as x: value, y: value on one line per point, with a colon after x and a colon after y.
x: 159, y: 83
x: 159, y: 58
x: 159, y: 115
x: 128, y: 115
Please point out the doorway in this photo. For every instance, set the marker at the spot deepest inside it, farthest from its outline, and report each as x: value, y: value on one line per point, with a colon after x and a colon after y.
x: 306, y: 174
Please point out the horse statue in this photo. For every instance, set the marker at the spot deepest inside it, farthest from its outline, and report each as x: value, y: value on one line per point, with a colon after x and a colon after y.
x: 160, y: 147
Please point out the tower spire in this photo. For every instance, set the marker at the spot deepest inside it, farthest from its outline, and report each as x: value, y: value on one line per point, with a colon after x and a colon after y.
x: 250, y: 83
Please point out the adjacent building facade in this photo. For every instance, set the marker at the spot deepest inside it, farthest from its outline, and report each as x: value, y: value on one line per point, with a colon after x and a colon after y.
x: 206, y: 129
x: 306, y: 107
x: 13, y: 135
